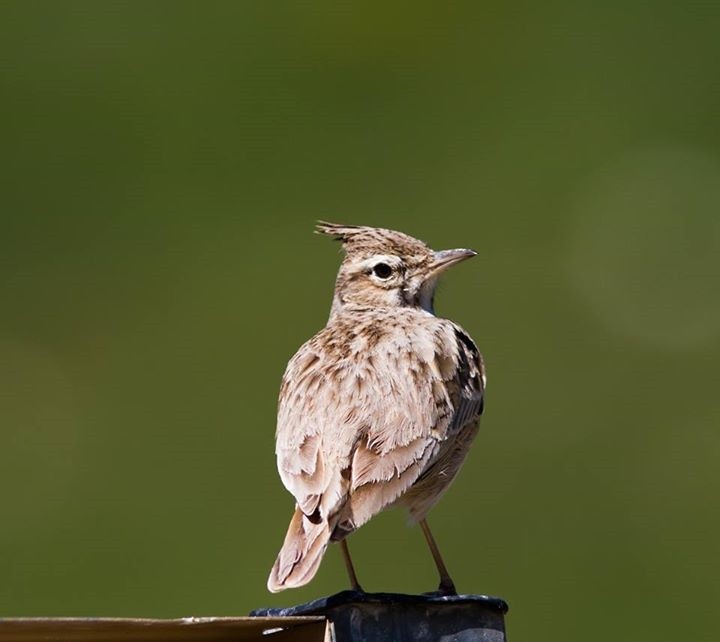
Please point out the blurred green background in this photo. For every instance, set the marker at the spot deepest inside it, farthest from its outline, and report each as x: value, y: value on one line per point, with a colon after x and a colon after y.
x: 163, y: 164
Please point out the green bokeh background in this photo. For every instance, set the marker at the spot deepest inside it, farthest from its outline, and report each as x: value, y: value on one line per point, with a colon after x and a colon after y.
x: 162, y: 166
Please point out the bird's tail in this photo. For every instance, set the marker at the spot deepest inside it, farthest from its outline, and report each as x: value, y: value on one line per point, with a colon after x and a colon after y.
x: 301, y: 553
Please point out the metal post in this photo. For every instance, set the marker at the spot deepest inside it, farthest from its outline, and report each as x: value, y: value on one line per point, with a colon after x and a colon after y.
x: 373, y: 617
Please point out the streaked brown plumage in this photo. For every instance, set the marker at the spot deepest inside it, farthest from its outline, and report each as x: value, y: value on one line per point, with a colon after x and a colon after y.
x: 380, y: 407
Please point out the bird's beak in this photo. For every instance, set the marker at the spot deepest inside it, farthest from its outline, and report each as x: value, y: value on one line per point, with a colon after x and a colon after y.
x: 445, y: 258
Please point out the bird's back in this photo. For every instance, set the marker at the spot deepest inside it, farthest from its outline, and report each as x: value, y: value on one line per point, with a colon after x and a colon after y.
x: 369, y: 408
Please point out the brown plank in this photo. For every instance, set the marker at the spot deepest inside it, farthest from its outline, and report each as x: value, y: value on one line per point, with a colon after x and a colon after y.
x: 212, y: 629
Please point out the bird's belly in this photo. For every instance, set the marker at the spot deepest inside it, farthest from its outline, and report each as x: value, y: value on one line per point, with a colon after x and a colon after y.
x: 440, y: 473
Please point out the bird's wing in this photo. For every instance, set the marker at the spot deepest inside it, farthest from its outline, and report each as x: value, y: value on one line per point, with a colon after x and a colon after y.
x: 355, y: 430
x: 467, y: 387
x: 443, y: 394
x: 321, y: 410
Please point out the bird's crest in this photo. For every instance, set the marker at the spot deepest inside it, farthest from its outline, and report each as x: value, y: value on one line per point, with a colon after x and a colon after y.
x: 363, y: 238
x: 339, y: 232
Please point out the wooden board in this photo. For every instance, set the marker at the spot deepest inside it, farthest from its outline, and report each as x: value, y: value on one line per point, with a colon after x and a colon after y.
x: 192, y: 629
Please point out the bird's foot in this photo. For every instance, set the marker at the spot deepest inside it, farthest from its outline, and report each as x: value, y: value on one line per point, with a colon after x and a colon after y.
x: 447, y: 587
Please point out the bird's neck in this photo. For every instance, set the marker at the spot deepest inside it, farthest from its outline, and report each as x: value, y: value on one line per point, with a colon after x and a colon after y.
x: 344, y: 308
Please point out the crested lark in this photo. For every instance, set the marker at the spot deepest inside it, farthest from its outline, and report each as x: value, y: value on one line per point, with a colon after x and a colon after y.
x: 380, y: 407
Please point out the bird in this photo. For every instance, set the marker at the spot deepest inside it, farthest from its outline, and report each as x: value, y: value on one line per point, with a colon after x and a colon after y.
x: 379, y: 408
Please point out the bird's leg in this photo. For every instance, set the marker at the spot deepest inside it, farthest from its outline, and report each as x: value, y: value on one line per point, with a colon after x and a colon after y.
x: 447, y: 586
x: 349, y: 567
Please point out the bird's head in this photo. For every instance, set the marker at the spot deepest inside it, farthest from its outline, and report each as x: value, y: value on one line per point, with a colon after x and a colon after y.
x: 384, y: 268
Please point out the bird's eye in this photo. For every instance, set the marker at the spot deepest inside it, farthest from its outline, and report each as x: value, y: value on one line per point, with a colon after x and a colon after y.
x: 382, y: 270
